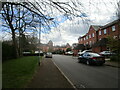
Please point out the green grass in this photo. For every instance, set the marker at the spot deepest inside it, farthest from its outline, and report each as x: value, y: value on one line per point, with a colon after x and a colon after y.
x: 18, y: 72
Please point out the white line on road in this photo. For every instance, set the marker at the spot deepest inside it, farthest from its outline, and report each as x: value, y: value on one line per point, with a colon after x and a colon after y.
x: 64, y: 75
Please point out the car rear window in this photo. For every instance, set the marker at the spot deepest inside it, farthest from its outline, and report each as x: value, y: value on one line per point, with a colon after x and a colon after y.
x: 94, y: 54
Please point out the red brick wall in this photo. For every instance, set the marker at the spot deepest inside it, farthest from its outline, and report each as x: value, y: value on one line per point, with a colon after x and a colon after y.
x: 109, y: 32
x: 98, y: 49
x: 91, y: 38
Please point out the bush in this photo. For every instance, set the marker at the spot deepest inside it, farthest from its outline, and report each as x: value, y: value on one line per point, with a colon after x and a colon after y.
x: 115, y: 58
x: 7, y: 51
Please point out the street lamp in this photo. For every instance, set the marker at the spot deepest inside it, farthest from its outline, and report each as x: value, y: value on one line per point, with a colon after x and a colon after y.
x: 40, y: 36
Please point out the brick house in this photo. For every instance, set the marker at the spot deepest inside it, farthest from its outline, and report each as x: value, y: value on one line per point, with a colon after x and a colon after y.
x: 109, y: 30
x: 97, y: 33
x: 91, y: 37
x: 76, y: 47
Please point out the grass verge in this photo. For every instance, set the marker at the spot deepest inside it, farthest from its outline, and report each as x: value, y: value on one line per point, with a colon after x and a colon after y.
x: 17, y: 72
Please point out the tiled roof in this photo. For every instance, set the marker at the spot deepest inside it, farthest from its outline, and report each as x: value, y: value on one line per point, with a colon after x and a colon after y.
x: 96, y: 27
x: 110, y: 24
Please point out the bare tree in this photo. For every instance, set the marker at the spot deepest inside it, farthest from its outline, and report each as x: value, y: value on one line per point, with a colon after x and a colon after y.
x: 17, y: 21
x: 38, y: 9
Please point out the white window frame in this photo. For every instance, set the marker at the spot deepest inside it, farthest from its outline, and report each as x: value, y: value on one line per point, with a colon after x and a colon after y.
x: 89, y: 35
x: 105, y: 31
x: 81, y: 39
x: 93, y: 35
x: 100, y: 32
x: 86, y: 37
x: 113, y: 28
x: 90, y: 43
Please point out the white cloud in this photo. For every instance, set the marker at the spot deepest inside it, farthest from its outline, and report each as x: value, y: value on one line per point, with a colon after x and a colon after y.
x: 99, y: 13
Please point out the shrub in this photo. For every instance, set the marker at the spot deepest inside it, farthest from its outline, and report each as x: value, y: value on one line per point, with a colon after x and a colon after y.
x: 7, y: 51
x: 115, y: 58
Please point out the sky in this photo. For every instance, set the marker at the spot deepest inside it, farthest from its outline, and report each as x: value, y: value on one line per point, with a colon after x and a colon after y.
x: 95, y: 12
x: 99, y: 12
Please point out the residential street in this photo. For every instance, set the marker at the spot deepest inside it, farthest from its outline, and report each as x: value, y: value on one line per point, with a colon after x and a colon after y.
x: 85, y: 76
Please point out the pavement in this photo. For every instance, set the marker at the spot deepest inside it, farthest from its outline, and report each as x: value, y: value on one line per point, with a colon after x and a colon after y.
x: 112, y: 64
x: 49, y: 76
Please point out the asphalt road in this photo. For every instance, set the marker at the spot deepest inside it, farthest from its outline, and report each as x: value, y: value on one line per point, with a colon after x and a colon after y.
x: 85, y: 76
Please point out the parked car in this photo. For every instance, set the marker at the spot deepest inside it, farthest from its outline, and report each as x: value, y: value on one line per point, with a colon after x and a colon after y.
x: 81, y: 53
x: 91, y: 58
x: 106, y: 53
x: 48, y: 55
x: 37, y: 53
x: 69, y: 53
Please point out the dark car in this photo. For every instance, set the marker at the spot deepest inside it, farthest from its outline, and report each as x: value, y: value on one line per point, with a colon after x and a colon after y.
x: 48, y: 55
x: 91, y: 58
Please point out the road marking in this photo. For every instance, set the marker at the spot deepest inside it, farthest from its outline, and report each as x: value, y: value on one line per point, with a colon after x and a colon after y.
x: 64, y: 75
x: 82, y: 86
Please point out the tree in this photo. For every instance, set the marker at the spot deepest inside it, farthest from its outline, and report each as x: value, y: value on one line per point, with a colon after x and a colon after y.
x: 68, y: 49
x: 16, y: 22
x: 113, y: 44
x: 19, y: 23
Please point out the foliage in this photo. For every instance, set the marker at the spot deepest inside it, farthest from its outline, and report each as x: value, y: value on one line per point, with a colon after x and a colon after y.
x: 17, y: 72
x: 59, y: 51
x: 68, y: 49
x: 113, y: 44
x: 115, y: 58
x: 7, y: 51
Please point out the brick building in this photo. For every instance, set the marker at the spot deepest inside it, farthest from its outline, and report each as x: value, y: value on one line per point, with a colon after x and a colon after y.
x: 97, y: 33
x: 63, y: 48
x: 91, y: 37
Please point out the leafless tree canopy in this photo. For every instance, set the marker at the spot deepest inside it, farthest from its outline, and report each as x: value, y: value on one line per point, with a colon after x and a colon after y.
x: 26, y: 15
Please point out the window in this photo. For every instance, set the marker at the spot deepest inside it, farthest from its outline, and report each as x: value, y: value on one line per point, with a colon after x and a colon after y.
x: 89, y: 36
x: 90, y: 43
x: 113, y: 28
x: 100, y: 32
x: 84, y: 38
x: 81, y: 39
x: 93, y: 35
x: 115, y: 37
x: 105, y: 31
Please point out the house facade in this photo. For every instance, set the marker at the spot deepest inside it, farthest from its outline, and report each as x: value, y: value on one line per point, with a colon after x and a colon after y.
x: 91, y: 37
x: 97, y: 33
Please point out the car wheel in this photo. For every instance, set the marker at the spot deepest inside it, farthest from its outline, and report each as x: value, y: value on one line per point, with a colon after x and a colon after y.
x: 87, y: 62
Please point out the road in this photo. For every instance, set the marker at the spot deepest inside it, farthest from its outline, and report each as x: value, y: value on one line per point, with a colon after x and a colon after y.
x: 85, y: 76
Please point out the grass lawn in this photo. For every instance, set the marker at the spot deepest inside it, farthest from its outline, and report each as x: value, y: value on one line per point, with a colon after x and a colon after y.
x: 16, y: 73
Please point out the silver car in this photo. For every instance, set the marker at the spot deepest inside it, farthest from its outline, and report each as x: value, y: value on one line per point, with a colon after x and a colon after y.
x: 48, y: 55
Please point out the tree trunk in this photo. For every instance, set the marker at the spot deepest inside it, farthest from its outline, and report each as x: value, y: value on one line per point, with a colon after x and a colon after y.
x: 15, y: 44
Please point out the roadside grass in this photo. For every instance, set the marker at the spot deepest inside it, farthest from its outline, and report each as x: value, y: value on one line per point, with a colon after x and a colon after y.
x: 16, y: 73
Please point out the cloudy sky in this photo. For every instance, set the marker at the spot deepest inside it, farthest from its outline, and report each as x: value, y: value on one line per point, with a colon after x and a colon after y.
x: 97, y: 12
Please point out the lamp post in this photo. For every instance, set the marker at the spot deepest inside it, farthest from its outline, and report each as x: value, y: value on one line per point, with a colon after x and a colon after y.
x: 40, y: 37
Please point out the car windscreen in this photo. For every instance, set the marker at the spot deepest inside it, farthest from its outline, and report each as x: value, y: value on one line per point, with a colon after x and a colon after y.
x: 94, y: 54
x: 49, y: 53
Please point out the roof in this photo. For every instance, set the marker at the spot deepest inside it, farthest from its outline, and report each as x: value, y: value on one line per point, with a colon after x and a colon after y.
x: 110, y: 24
x: 96, y: 27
